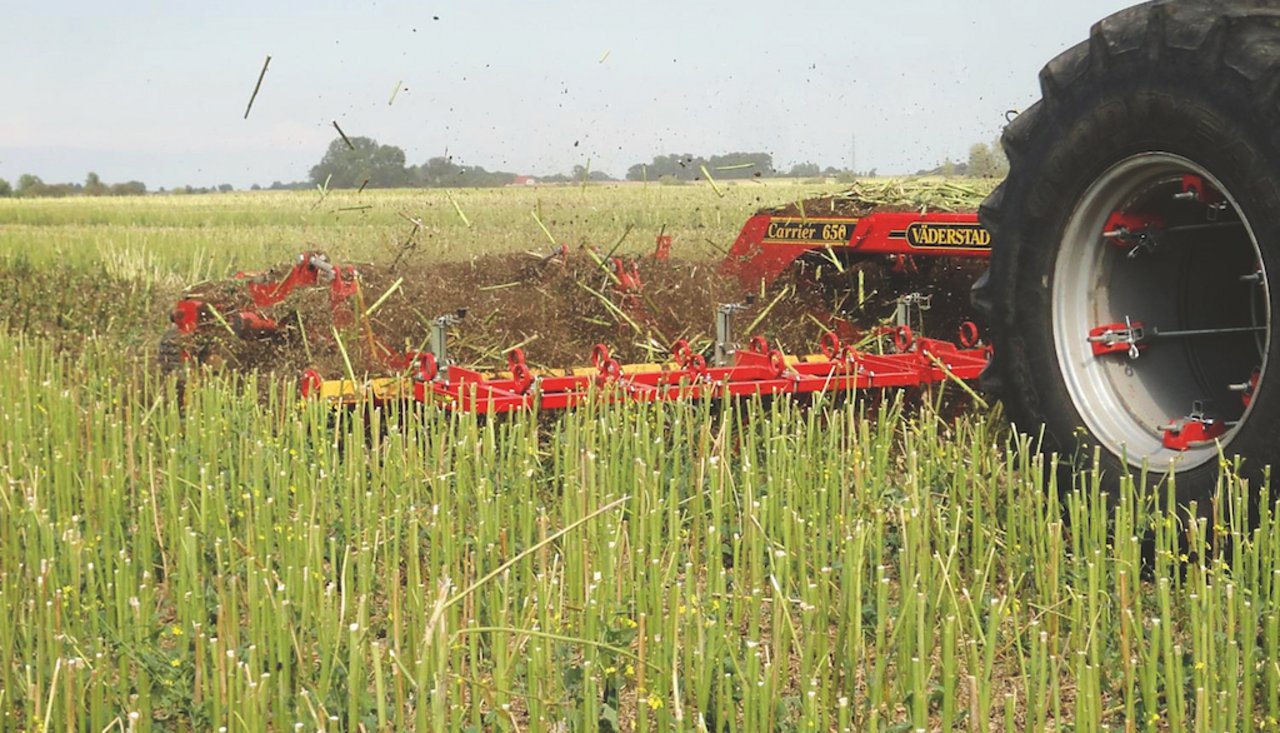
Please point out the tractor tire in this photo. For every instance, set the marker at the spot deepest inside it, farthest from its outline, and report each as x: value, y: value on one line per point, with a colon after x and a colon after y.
x: 1161, y: 94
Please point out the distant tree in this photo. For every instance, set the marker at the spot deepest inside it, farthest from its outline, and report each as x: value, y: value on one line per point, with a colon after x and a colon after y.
x: 741, y: 165
x: 30, y: 185
x: 804, y: 170
x: 440, y: 172
x: 255, y: 187
x: 343, y: 166
x: 688, y: 167
x: 93, y: 185
x: 5, y: 188
x: 987, y: 161
x: 225, y: 188
x: 436, y: 172
x: 128, y: 188
x: 579, y: 172
x: 680, y: 167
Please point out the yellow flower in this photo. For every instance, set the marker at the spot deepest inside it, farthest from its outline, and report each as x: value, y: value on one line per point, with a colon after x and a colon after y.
x: 175, y: 630
x: 175, y: 663
x: 630, y: 671
x: 655, y: 702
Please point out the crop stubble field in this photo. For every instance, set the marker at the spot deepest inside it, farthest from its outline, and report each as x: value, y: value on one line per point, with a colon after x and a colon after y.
x: 229, y: 558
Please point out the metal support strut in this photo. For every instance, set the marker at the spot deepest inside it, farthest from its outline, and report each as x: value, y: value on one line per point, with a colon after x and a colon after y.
x: 440, y: 338
x: 726, y: 346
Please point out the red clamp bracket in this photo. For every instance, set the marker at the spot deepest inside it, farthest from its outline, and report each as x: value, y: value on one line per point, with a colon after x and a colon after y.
x: 608, y: 366
x: 1118, y: 338
x: 1247, y: 389
x: 663, y: 251
x: 1190, y: 432
x: 1134, y: 232
x: 427, y: 368
x: 1194, y: 188
x: 186, y: 315
x: 520, y: 372
x: 903, y: 338
x: 310, y: 383
x: 693, y: 363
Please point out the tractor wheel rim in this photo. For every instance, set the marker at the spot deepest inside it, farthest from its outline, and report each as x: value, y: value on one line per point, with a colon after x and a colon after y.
x: 1190, y: 280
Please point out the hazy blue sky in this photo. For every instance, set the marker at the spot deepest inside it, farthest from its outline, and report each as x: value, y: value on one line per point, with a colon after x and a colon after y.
x: 156, y: 91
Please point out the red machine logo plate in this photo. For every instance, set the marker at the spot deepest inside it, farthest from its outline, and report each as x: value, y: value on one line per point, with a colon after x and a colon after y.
x: 937, y: 234
x: 809, y: 231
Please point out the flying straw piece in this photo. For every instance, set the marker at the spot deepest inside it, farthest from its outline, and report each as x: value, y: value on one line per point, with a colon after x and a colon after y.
x: 542, y: 226
x: 765, y: 313
x: 345, y: 139
x: 394, y: 92
x: 605, y: 56
x: 712, y: 181
x: 378, y: 303
x: 323, y: 188
x: 458, y: 209
x: 257, y: 86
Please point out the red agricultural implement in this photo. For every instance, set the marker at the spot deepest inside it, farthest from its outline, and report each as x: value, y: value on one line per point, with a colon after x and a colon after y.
x: 767, y: 246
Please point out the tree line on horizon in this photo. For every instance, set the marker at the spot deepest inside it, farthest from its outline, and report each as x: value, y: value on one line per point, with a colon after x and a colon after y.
x: 361, y: 162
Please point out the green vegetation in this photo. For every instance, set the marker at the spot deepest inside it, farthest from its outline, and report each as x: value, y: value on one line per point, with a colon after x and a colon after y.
x: 230, y: 557
x: 253, y: 229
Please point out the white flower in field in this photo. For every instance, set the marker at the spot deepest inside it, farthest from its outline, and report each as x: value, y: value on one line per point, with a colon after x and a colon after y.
x: 133, y: 716
x: 231, y: 654
x: 353, y: 628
